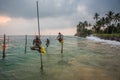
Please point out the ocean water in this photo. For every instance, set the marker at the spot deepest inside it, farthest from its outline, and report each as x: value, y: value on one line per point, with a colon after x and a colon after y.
x: 82, y: 59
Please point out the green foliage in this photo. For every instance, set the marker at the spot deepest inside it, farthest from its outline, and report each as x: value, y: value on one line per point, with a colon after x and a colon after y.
x: 108, y: 25
x: 107, y: 35
x: 82, y: 29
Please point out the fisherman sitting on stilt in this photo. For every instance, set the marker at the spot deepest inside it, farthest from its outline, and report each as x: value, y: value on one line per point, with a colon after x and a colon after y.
x: 60, y: 37
x: 36, y: 43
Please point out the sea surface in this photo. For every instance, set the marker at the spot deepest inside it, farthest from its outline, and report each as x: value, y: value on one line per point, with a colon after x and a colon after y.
x: 83, y: 59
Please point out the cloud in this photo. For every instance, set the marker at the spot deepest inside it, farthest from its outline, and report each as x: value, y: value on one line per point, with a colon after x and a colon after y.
x: 67, y: 31
x: 29, y: 26
x: 19, y: 26
x: 54, y: 8
x: 53, y: 23
x: 17, y: 8
x: 4, y: 19
x: 27, y: 9
x: 81, y: 9
x: 55, y: 15
x: 103, y: 6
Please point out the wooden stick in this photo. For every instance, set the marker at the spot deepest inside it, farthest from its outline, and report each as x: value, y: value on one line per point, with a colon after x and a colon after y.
x: 25, y: 44
x: 4, y: 46
x: 38, y: 18
x: 39, y: 34
x: 41, y: 60
x: 61, y: 47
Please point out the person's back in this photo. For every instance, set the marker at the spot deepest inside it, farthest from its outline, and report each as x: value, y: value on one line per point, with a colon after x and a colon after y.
x: 60, y: 37
x: 37, y: 42
x: 47, y: 42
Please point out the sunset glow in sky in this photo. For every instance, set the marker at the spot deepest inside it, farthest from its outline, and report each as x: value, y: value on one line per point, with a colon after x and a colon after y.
x: 4, y: 19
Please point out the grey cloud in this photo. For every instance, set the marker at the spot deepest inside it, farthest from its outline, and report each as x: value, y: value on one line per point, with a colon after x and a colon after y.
x: 17, y: 8
x: 103, y: 6
x: 27, y: 8
x: 54, y: 8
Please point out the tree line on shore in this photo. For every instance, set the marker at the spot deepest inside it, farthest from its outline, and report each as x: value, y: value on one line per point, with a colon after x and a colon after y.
x: 108, y: 24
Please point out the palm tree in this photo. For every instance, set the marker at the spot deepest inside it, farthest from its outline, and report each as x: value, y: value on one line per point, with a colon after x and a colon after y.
x: 79, y: 28
x: 102, y: 20
x: 96, y: 16
x: 113, y: 28
x: 110, y: 17
x: 107, y: 23
x: 94, y: 28
x: 118, y: 28
x: 97, y: 27
x: 116, y: 18
x: 89, y: 24
x: 85, y: 24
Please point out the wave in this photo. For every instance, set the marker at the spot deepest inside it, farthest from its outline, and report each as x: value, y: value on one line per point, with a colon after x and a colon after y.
x: 97, y: 39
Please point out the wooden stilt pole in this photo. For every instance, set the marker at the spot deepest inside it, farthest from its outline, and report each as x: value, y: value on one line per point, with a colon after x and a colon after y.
x: 61, y: 47
x: 4, y: 46
x: 8, y: 39
x: 38, y: 19
x: 25, y: 44
x: 41, y: 60
x: 39, y: 34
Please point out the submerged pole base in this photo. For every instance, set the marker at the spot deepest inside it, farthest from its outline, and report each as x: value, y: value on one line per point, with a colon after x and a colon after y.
x: 3, y: 56
x: 41, y: 67
x: 61, y: 47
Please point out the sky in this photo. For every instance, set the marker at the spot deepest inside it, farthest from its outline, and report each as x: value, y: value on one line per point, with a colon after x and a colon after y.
x: 19, y: 17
